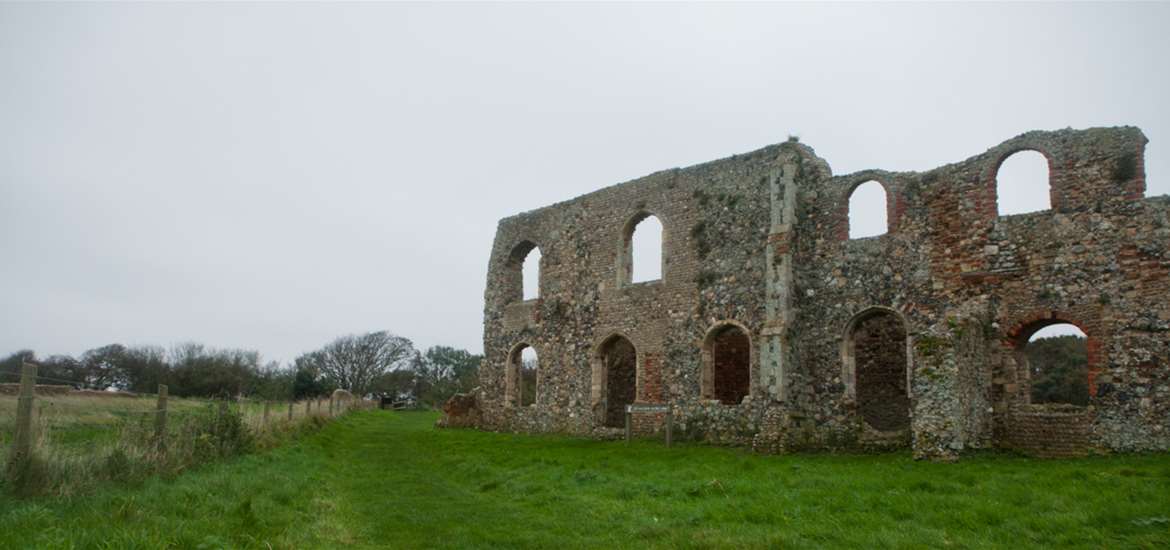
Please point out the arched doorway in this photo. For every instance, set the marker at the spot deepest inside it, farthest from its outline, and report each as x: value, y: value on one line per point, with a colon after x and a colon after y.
x: 727, y: 360
x: 876, y: 367
x: 618, y: 361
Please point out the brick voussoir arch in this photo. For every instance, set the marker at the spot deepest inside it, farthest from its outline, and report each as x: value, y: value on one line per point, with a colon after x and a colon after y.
x: 1024, y: 326
x: 894, y: 202
x: 1000, y: 153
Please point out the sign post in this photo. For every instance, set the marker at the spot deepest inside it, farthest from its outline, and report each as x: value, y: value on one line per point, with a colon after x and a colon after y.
x: 651, y: 408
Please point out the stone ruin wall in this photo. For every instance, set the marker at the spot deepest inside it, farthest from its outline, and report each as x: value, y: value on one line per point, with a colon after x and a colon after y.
x: 759, y: 241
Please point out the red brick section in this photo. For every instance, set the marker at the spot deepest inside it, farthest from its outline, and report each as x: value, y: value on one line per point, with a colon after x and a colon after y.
x: 731, y: 355
x: 461, y: 410
x: 1049, y: 431
x: 1136, y: 188
x: 782, y: 242
x: 895, y: 207
x: 1018, y: 338
x: 651, y: 378
x: 648, y: 423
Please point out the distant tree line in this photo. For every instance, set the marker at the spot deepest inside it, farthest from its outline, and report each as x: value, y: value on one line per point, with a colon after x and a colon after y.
x: 375, y: 363
x: 1059, y: 368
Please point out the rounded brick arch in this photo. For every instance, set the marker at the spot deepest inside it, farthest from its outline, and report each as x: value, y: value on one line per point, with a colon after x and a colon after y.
x: 894, y: 201
x: 729, y: 376
x: 512, y: 387
x: 1023, y: 328
x: 1001, y: 154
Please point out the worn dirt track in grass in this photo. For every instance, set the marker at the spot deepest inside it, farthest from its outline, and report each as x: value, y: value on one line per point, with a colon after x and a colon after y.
x: 380, y: 479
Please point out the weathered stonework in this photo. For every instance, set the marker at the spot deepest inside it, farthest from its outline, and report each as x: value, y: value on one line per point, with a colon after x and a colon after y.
x: 460, y: 411
x: 759, y: 243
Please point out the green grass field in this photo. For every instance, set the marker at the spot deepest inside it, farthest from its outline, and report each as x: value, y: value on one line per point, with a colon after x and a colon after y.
x: 82, y: 441
x: 86, y: 420
x: 381, y: 479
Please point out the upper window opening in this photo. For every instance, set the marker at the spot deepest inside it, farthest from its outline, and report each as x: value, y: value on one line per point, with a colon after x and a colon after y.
x: 867, y: 211
x: 646, y: 250
x: 531, y: 275
x: 522, y: 273
x: 1022, y: 184
x: 1058, y: 365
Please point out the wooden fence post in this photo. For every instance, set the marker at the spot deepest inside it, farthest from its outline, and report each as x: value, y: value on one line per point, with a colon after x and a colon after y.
x: 290, y: 408
x: 221, y: 412
x: 160, y: 419
x: 669, y: 427
x: 308, y: 404
x: 23, y: 440
x: 628, y: 430
x: 267, y: 405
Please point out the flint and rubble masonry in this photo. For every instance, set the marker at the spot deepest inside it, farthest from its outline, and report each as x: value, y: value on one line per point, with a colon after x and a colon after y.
x: 758, y: 243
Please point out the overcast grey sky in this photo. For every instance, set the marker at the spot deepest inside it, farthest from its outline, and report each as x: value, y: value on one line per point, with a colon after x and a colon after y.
x: 272, y: 176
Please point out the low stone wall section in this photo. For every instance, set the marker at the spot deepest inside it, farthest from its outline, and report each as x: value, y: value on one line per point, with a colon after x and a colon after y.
x: 1049, y: 431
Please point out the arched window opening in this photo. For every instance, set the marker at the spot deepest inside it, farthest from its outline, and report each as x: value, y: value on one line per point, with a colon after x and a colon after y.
x: 729, y: 365
x: 643, y: 253
x: 867, y: 211
x: 531, y: 274
x: 522, y: 273
x: 520, y: 378
x: 1022, y: 184
x: 619, y: 361
x: 877, y: 344
x: 1058, y: 365
x: 528, y: 365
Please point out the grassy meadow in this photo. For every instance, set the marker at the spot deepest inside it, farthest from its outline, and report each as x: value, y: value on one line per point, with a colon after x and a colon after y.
x: 389, y: 479
x: 86, y: 420
x: 85, y: 440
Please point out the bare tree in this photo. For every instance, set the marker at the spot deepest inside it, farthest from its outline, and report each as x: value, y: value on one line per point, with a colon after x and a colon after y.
x: 354, y: 362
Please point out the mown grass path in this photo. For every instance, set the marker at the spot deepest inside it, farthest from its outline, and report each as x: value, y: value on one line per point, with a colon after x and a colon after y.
x: 379, y: 479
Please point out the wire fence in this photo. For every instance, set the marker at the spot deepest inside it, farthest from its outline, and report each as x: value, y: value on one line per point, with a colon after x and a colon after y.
x: 55, y: 440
